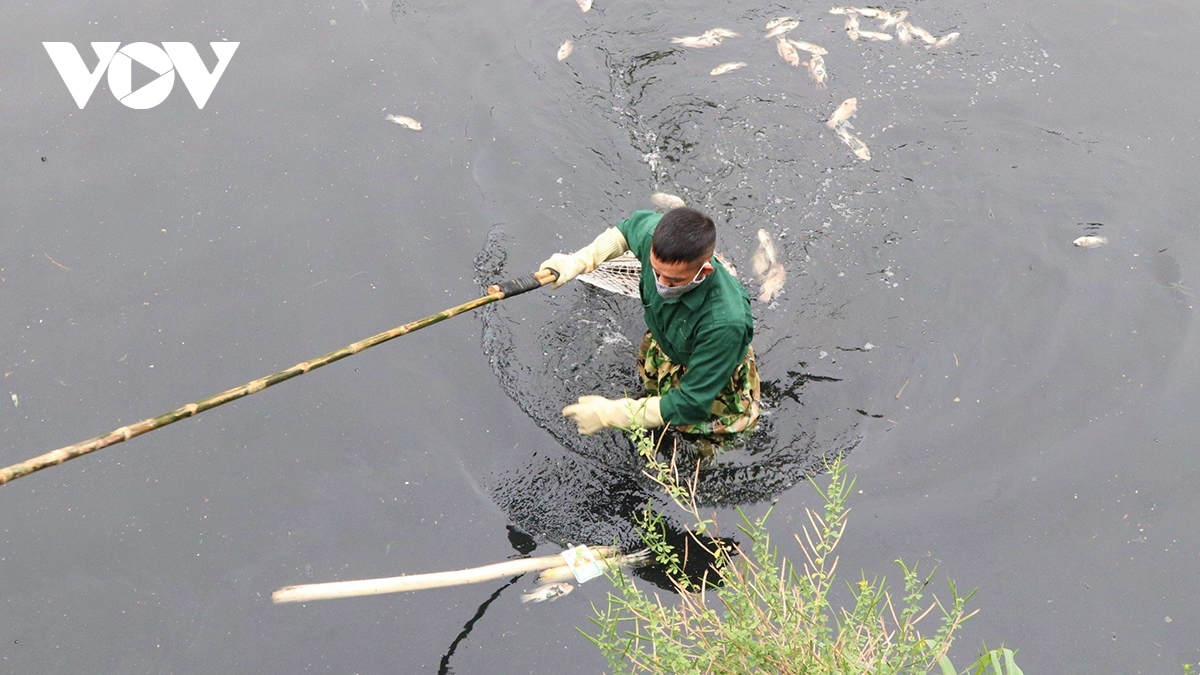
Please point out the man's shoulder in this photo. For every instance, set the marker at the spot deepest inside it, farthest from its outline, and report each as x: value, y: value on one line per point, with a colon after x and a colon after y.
x: 728, y: 303
x: 638, y: 230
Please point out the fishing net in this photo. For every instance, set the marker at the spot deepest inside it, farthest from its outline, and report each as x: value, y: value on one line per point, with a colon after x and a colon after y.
x: 621, y: 275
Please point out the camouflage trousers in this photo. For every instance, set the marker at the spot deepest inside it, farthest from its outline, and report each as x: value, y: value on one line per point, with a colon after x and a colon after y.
x: 735, y: 408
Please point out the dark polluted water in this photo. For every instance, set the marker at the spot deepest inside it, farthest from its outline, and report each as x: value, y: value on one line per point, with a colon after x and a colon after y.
x: 1018, y: 410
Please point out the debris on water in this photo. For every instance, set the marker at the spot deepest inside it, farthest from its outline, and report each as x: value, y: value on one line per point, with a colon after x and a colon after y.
x: 584, y: 5
x: 16, y: 401
x: 547, y: 592
x: 565, y: 50
x: 1090, y: 241
x: 727, y: 68
x: 666, y: 201
x: 406, y: 122
x: 868, y: 347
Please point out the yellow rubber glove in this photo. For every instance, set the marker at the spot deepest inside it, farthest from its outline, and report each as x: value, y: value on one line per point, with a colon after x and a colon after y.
x: 610, y: 244
x: 594, y: 413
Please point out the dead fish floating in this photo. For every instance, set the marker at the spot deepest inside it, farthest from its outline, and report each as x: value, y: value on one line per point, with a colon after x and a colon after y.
x: 765, y: 262
x: 921, y: 34
x: 777, y: 21
x: 565, y: 50
x: 944, y: 41
x: 727, y: 68
x: 852, y: 27
x: 893, y: 19
x: 584, y: 5
x: 709, y: 38
x: 816, y: 68
x: 809, y: 47
x: 548, y: 592
x: 856, y: 144
x: 785, y: 27
x: 788, y: 52
x: 406, y: 122
x: 872, y: 35
x: 664, y: 200
x: 844, y: 112
x: 1090, y: 241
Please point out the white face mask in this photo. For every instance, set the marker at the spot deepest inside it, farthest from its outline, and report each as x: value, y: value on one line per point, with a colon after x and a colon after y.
x: 673, y: 292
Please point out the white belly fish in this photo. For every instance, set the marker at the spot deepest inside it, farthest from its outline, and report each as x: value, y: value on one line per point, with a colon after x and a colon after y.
x: 922, y: 34
x: 856, y: 144
x: 872, y: 35
x: 765, y: 255
x: 1090, y: 241
x: 565, y: 50
x: 844, y: 112
x: 727, y: 68
x: 406, y: 122
x: 765, y: 261
x: 782, y: 28
x: 893, y: 19
x: 809, y: 47
x: 772, y: 284
x: 816, y: 68
x: 666, y: 201
x: 788, y: 52
x: 944, y: 41
x: 852, y: 26
x: 547, y: 592
x: 697, y: 41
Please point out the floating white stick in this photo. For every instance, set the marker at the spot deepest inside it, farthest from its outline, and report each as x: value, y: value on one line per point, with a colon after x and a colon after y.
x: 418, y: 582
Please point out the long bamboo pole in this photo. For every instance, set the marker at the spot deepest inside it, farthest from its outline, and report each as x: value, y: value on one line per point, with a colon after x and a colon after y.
x: 419, y: 582
x: 55, y: 457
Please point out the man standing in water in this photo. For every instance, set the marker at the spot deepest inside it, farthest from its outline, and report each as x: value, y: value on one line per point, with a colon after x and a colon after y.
x: 695, y: 361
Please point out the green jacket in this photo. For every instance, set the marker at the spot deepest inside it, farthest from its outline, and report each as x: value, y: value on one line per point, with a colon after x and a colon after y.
x: 707, y: 330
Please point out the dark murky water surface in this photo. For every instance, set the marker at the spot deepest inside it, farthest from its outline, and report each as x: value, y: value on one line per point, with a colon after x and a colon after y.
x: 1042, y: 448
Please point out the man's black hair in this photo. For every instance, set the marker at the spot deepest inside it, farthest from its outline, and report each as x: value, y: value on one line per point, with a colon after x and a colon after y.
x: 684, y: 235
